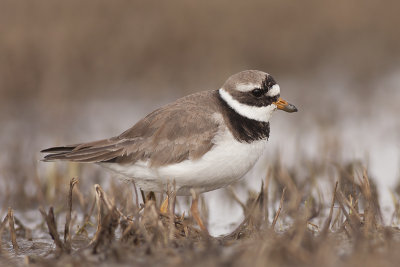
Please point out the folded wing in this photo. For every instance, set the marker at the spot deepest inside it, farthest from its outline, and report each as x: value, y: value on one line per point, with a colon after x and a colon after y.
x: 181, y: 130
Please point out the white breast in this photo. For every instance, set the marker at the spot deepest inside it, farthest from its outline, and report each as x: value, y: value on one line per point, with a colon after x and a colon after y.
x: 227, y: 161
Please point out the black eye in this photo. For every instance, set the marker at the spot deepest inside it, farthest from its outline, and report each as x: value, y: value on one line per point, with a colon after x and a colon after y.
x: 275, y: 98
x: 257, y: 92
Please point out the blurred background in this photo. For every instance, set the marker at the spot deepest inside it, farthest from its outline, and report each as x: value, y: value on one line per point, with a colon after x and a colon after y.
x: 74, y: 71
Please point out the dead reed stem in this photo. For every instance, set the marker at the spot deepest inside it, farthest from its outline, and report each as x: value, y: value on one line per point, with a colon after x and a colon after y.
x: 266, y: 188
x: 12, y: 230
x: 2, y: 227
x: 371, y: 211
x: 356, y: 216
x: 22, y: 227
x: 329, y: 219
x: 143, y: 196
x: 235, y: 197
x: 67, y: 235
x: 52, y: 226
x: 108, y: 218
x: 136, y: 194
x: 86, y: 220
x: 249, y: 218
x: 349, y: 219
x: 279, y: 209
x: 171, y: 194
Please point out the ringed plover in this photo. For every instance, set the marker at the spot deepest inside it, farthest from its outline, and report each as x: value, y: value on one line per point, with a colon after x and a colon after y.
x: 201, y: 142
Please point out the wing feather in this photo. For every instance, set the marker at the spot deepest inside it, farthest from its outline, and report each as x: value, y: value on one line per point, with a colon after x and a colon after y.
x: 171, y: 134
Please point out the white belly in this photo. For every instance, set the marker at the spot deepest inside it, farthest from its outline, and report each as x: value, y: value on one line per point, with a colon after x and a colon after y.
x: 226, y: 162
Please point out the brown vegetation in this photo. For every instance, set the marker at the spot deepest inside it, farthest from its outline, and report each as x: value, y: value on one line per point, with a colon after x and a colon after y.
x: 301, y: 231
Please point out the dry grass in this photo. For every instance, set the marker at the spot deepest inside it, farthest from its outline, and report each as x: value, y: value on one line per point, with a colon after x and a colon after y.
x: 285, y: 224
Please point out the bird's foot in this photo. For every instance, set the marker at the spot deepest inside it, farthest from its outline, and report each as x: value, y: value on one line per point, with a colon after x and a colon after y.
x: 164, y: 206
x: 195, y: 212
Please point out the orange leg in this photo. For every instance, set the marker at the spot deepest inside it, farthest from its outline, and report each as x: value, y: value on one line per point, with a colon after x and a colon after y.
x: 195, y: 212
x: 164, y: 206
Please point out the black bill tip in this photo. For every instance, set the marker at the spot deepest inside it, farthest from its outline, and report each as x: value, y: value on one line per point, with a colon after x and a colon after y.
x: 290, y: 108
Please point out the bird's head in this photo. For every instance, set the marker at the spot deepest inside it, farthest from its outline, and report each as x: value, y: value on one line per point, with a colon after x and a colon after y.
x: 254, y: 94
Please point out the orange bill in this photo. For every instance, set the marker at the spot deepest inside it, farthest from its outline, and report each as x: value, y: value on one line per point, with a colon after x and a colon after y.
x: 285, y: 106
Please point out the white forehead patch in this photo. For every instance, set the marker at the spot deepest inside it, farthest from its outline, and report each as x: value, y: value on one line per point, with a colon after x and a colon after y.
x: 246, y: 87
x: 251, y: 112
x: 274, y: 91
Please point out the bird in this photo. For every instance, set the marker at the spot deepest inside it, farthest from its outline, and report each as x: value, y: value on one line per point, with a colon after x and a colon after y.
x: 201, y: 142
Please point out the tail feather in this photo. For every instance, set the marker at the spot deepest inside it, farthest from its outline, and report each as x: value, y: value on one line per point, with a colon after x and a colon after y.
x: 59, y: 149
x: 104, y: 157
x: 91, y: 150
x: 98, y: 151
